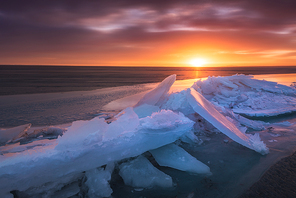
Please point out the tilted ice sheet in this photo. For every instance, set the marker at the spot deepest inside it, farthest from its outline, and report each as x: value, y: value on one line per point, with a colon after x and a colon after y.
x: 248, y: 96
x: 159, y: 93
x: 207, y: 110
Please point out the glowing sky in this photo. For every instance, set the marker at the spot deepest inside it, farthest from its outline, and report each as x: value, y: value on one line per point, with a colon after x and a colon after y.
x: 148, y: 32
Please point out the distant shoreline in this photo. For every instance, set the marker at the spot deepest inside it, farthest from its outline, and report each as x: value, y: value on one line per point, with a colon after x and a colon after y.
x: 149, y: 66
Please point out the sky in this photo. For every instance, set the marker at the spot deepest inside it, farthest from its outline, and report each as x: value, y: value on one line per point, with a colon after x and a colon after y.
x: 148, y: 32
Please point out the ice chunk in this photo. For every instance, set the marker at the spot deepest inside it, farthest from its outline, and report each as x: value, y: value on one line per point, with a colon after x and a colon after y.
x: 14, y: 133
x: 140, y: 173
x: 175, y: 157
x: 30, y: 134
x: 269, y: 86
x: 158, y: 93
x: 98, y: 182
x: 256, y: 125
x: 207, y: 110
x: 266, y: 112
x: 190, y: 138
x: 82, y: 148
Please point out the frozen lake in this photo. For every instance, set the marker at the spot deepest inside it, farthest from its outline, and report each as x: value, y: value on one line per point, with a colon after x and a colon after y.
x: 234, y: 167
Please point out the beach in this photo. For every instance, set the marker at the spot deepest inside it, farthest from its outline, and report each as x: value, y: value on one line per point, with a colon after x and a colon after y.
x: 277, y: 181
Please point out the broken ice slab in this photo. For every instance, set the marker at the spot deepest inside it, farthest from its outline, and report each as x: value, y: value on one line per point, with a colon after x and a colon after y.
x: 207, y: 110
x: 158, y: 94
x: 82, y: 148
x: 152, y: 97
x: 140, y: 173
x: 98, y: 183
x: 13, y: 133
x: 176, y: 157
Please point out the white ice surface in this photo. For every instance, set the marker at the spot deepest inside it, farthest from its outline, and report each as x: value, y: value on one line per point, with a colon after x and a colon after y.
x: 175, y: 157
x: 140, y: 173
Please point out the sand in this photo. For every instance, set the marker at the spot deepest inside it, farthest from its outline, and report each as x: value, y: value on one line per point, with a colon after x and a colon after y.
x: 278, y: 181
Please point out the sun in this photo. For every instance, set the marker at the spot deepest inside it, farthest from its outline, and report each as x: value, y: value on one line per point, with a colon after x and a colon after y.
x: 197, y: 62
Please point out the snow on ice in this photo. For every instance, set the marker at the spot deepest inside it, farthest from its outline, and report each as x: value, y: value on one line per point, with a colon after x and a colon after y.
x: 46, y: 161
x: 248, y: 96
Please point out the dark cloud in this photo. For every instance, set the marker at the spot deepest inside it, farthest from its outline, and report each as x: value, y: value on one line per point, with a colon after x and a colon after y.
x: 123, y: 26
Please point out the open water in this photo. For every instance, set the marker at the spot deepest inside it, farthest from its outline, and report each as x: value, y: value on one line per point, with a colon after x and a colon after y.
x: 46, y: 79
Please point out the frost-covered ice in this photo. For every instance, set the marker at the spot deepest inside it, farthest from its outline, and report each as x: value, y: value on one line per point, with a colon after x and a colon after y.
x: 80, y: 157
x: 248, y: 96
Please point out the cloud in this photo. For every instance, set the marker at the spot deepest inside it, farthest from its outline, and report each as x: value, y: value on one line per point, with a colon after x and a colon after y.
x: 119, y: 28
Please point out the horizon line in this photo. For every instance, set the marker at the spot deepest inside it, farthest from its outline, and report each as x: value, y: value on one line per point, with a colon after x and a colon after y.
x: 66, y: 65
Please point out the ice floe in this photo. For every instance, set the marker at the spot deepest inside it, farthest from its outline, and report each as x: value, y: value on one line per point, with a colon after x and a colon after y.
x: 248, y: 96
